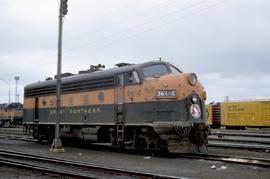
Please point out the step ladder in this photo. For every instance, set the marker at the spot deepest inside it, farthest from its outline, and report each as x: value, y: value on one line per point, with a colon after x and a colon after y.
x: 120, y: 128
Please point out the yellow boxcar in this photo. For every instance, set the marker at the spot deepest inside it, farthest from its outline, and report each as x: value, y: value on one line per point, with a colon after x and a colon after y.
x: 2, y: 113
x: 209, y: 113
x: 246, y: 113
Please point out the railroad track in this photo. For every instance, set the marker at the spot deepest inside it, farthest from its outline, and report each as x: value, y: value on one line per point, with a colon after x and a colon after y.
x: 243, y: 134
x: 14, y: 131
x: 262, y: 162
x: 77, y: 169
x: 251, y: 140
x: 85, y: 170
x: 237, y: 145
x: 18, y: 137
x: 70, y: 168
x: 218, y: 143
x: 248, y: 141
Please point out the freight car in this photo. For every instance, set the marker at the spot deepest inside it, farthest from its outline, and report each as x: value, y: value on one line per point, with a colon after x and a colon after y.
x: 213, y: 118
x: 145, y: 106
x: 241, y: 114
x: 209, y: 113
x: 11, y: 114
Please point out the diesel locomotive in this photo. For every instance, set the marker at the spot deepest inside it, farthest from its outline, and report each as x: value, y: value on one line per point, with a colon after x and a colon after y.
x: 11, y: 114
x: 147, y: 106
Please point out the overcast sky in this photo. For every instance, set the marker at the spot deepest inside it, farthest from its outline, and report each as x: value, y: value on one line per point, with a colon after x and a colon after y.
x: 225, y: 42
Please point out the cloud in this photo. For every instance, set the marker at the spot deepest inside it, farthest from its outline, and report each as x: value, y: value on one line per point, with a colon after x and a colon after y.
x: 239, y: 87
x: 227, y: 45
x: 31, y: 12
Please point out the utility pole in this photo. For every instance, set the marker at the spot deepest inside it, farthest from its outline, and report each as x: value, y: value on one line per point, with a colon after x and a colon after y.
x: 57, y: 143
x: 8, y: 88
x: 17, y: 78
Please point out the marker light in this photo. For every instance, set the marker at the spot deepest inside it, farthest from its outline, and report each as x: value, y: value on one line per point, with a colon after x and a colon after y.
x: 192, y: 78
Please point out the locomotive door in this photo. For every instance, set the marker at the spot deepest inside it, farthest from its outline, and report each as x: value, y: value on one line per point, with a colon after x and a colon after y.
x: 119, y: 108
x: 265, y: 113
x: 35, y: 118
x: 36, y: 110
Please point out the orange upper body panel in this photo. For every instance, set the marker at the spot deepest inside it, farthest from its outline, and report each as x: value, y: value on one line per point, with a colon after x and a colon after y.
x: 143, y: 92
x: 147, y: 91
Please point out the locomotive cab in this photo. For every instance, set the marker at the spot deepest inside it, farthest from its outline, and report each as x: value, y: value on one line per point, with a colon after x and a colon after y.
x: 179, y: 106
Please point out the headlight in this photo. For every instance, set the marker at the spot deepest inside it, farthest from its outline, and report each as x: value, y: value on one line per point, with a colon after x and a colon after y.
x: 194, y: 99
x: 192, y: 78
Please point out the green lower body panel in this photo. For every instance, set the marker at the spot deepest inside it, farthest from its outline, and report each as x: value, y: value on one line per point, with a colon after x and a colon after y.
x: 162, y: 111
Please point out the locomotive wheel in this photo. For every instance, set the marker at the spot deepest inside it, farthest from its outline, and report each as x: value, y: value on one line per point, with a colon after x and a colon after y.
x: 50, y: 137
x: 40, y: 139
x: 141, y: 144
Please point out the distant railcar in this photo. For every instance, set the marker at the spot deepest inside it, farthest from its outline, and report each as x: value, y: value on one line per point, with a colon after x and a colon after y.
x: 209, y: 113
x: 240, y: 114
x: 145, y: 106
x: 213, y: 110
x: 11, y: 114
x: 245, y: 114
x: 216, y: 111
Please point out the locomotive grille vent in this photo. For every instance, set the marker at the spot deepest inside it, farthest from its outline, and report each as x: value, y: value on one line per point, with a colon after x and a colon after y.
x: 182, y: 131
x: 72, y: 87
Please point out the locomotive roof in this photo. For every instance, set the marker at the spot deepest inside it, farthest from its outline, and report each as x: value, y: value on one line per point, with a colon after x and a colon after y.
x: 11, y: 106
x: 93, y: 75
x: 3, y: 105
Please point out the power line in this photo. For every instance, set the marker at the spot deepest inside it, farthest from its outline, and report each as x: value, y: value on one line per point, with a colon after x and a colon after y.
x: 102, y: 16
x: 160, y: 25
x: 104, y: 27
x: 116, y: 10
x: 163, y: 25
x: 137, y: 26
x: 131, y: 28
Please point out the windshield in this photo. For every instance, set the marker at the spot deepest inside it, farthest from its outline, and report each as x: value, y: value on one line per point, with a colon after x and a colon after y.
x: 155, y: 70
x: 175, y: 70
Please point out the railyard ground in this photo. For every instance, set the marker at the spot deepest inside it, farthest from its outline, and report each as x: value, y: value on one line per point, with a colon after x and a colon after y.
x: 175, y: 166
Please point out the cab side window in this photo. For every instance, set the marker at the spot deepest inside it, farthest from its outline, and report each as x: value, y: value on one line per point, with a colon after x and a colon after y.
x: 120, y: 80
x: 132, y: 78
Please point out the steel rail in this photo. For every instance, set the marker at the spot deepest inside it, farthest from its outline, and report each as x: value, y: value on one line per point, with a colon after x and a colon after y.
x: 261, y: 162
x: 240, y: 134
x: 48, y: 170
x: 100, y: 170
x: 220, y: 143
x: 247, y: 146
x: 21, y: 138
x: 243, y: 140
